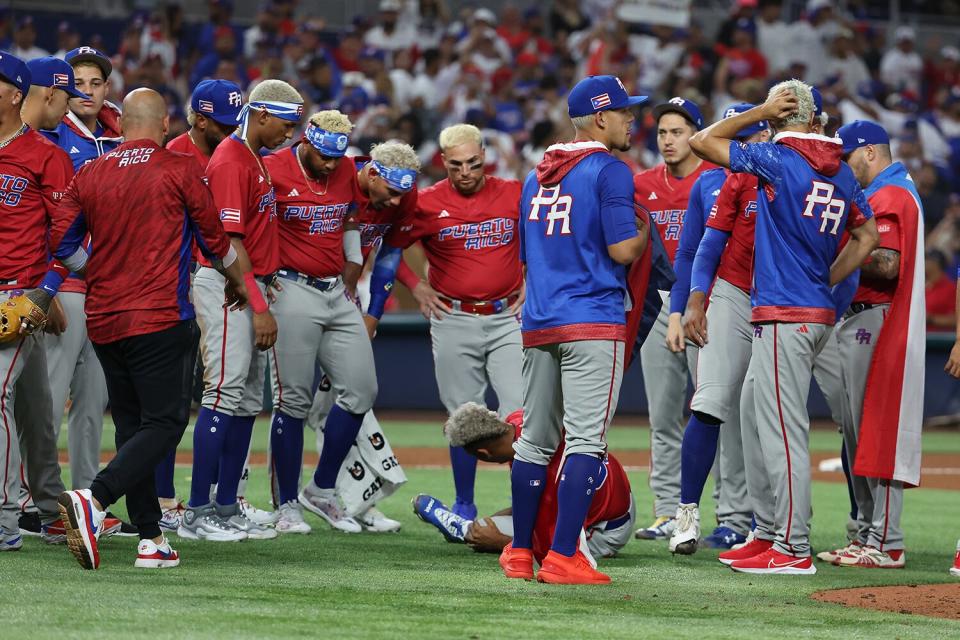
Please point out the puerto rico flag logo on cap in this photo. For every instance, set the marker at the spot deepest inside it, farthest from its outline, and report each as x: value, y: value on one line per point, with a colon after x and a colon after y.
x: 61, y: 79
x: 600, y: 101
x: 205, y: 105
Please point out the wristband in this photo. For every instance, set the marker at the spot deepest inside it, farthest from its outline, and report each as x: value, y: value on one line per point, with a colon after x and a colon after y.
x: 230, y: 258
x: 351, y: 246
x: 54, y: 278
x: 257, y: 303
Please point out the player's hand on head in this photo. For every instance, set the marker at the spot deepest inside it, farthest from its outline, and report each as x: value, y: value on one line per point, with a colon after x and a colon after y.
x: 264, y: 330
x: 780, y: 105
x: 953, y: 363
x: 675, y: 333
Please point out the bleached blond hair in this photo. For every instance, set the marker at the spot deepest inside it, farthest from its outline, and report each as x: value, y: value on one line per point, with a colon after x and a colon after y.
x: 458, y: 134
x: 582, y: 122
x: 332, y: 121
x: 395, y: 154
x: 804, y: 96
x: 472, y: 423
x: 275, y: 91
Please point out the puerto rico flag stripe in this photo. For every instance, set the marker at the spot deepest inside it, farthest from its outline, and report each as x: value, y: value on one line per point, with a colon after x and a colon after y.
x: 600, y: 101
x: 230, y: 215
x: 205, y: 105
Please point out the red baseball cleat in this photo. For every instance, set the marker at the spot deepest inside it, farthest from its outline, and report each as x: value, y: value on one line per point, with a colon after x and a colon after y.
x: 559, y: 569
x: 772, y: 561
x: 517, y: 563
x: 753, y: 548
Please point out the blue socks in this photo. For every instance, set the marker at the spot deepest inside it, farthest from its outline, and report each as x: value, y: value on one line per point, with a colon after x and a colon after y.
x: 339, y: 434
x: 209, y: 434
x: 163, y: 476
x: 286, y: 447
x: 582, y: 474
x: 234, y: 458
x: 464, y: 473
x: 697, y: 454
x: 527, y: 481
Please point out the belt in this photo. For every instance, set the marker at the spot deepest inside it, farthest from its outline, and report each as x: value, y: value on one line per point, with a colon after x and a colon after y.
x: 857, y: 307
x: 617, y: 523
x: 481, y: 308
x: 320, y: 284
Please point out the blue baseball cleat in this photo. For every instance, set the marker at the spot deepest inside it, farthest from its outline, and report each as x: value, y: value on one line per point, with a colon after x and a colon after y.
x: 466, y: 510
x: 723, y: 538
x: 432, y: 511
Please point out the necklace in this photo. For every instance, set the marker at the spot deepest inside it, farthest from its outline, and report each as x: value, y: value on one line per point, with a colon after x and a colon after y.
x: 16, y: 135
x: 256, y: 156
x: 306, y: 178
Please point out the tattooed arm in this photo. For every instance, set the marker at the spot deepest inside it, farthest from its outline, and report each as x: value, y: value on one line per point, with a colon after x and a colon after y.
x: 883, y: 264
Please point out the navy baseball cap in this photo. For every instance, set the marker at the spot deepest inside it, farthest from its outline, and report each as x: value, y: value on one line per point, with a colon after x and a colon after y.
x: 219, y: 100
x: 89, y: 54
x: 599, y: 93
x: 54, y: 72
x: 817, y: 101
x: 743, y: 107
x: 15, y: 71
x: 860, y: 133
x: 684, y: 107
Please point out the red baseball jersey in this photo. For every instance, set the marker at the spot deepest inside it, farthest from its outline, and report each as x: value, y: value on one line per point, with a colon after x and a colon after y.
x: 34, y: 173
x: 665, y: 198
x: 389, y: 224
x: 735, y: 212
x: 144, y: 207
x: 183, y: 143
x: 611, y: 500
x: 246, y: 202
x: 310, y: 213
x: 472, y: 243
x: 886, y: 202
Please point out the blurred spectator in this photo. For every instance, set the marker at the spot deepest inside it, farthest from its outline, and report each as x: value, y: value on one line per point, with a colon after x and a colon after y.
x: 221, y: 16
x: 741, y: 10
x: 265, y: 29
x: 945, y: 236
x: 224, y: 50
x: 773, y: 34
x: 933, y: 193
x: 809, y: 37
x: 25, y: 40
x: 319, y: 83
x: 742, y: 60
x: 658, y: 54
x: 431, y: 19
x: 843, y: 63
x: 942, y: 76
x: 941, y: 293
x: 67, y: 39
x: 390, y: 34
x: 566, y: 16
x: 901, y: 67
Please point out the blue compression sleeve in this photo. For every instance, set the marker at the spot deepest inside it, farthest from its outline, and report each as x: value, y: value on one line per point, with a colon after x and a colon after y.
x: 707, y: 259
x: 381, y: 280
x: 687, y: 248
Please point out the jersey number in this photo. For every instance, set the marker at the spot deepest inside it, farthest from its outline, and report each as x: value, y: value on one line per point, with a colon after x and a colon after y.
x: 822, y: 193
x: 559, y: 210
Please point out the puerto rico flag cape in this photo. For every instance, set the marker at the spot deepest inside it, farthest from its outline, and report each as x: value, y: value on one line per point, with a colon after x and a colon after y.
x: 890, y: 426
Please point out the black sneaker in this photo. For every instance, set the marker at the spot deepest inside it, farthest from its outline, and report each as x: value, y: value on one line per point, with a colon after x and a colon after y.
x: 30, y: 523
x: 126, y: 530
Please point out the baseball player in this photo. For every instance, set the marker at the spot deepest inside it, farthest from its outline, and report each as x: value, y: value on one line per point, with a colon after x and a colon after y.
x: 882, y: 351
x: 664, y: 192
x: 953, y: 368
x: 714, y: 378
x: 608, y: 524
x: 35, y: 173
x: 579, y: 230
x: 467, y: 225
x: 212, y: 115
x: 140, y: 319
x: 808, y: 197
x: 233, y: 345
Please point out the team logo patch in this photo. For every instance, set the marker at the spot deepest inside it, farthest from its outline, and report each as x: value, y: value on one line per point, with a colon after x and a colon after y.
x: 61, y: 79
x: 205, y: 105
x: 357, y: 471
x: 235, y: 99
x: 600, y: 101
x: 863, y: 336
x: 677, y: 101
x: 377, y: 441
x: 299, y: 110
x: 230, y: 215
x: 86, y: 50
x: 406, y: 181
x: 341, y: 143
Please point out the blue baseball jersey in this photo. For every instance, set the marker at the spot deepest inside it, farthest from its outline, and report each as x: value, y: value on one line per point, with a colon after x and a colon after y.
x: 702, y: 196
x: 578, y: 201
x: 807, y: 198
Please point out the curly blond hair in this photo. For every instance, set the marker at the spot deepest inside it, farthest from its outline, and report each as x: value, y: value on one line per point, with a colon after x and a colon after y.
x: 395, y: 154
x: 332, y: 121
x: 472, y: 423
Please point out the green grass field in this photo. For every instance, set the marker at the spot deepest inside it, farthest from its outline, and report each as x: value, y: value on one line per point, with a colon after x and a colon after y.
x: 413, y: 584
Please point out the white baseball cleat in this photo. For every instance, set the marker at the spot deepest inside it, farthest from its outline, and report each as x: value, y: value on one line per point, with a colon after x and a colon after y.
x: 291, y: 519
x: 374, y: 520
x: 151, y: 555
x: 203, y: 523
x: 255, y: 515
x: 324, y: 503
x: 832, y: 556
x: 868, y: 557
x: 686, y: 533
x: 233, y: 516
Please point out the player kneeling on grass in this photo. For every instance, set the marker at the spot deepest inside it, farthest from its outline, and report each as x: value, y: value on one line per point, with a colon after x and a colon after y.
x: 606, y: 529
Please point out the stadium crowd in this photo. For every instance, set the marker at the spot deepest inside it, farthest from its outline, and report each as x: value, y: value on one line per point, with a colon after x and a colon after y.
x: 415, y: 67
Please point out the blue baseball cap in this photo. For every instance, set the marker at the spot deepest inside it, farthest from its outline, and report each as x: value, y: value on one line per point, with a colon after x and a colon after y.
x: 817, y: 101
x: 89, y: 54
x: 599, y: 93
x: 860, y: 133
x: 219, y: 100
x: 743, y: 107
x: 54, y: 72
x: 15, y: 71
x: 687, y: 108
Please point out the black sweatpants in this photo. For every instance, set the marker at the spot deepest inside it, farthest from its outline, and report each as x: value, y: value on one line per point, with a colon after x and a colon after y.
x: 149, y: 381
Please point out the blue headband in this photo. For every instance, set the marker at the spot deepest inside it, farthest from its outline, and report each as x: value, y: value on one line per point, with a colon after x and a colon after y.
x: 332, y: 145
x: 290, y: 111
x: 398, y: 178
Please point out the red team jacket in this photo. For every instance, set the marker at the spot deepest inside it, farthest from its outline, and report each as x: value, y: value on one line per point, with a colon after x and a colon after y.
x: 735, y: 212
x: 665, y: 198
x: 611, y: 500
x: 471, y: 242
x: 184, y: 144
x: 34, y: 173
x: 144, y: 206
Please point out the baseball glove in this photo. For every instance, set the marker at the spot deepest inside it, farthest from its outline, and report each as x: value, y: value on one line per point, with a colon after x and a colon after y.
x: 18, y: 316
